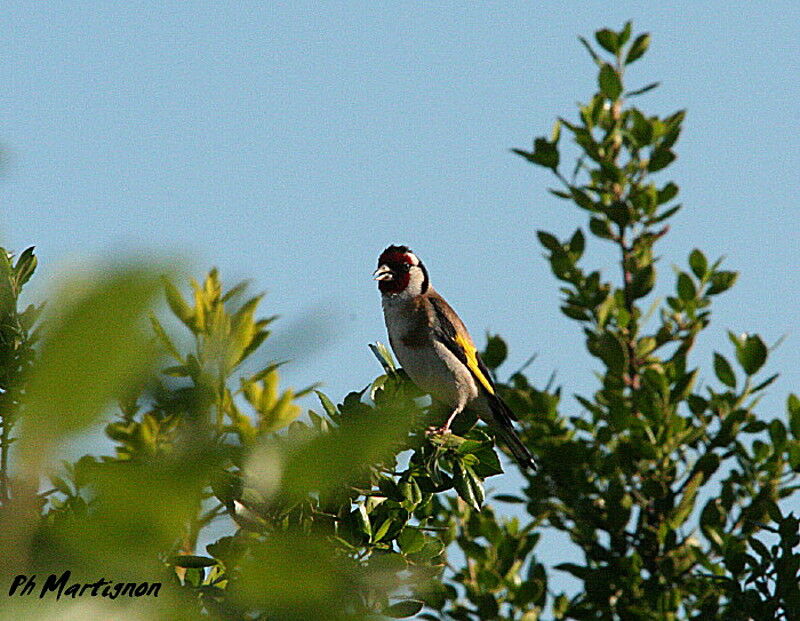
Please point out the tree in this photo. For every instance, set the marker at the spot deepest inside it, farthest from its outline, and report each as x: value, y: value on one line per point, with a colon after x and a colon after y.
x: 623, y: 477
x: 351, y: 511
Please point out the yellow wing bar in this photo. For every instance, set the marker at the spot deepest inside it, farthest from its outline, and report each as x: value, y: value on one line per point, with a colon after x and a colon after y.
x: 472, y: 362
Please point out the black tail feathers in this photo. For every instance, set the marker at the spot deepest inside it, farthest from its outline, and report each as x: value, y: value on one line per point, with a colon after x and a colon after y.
x: 505, y: 430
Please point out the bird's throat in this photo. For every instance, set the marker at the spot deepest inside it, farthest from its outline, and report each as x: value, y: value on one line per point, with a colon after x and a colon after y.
x: 394, y: 286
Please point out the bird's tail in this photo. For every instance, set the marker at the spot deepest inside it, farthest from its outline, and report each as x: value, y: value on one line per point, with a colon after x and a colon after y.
x: 503, y: 417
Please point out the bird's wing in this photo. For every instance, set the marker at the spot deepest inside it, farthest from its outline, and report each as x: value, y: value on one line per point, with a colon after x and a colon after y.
x: 460, y: 344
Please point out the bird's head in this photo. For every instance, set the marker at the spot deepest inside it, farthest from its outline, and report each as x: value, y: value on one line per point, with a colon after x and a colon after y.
x: 400, y: 272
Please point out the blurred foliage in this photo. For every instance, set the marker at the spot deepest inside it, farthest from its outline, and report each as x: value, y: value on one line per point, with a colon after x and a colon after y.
x: 17, y: 338
x: 323, y: 520
x: 245, y: 506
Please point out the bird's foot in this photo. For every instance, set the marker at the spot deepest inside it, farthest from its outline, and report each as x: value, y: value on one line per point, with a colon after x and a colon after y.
x: 437, y: 431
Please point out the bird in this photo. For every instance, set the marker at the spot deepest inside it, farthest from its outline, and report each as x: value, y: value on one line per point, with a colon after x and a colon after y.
x: 436, y: 351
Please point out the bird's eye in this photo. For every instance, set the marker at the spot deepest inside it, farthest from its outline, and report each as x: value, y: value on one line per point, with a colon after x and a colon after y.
x: 405, y: 267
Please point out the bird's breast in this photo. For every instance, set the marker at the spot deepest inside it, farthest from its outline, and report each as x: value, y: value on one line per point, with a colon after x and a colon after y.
x: 429, y: 364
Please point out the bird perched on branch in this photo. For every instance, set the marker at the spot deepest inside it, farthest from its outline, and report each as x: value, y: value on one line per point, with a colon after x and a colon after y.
x: 435, y: 349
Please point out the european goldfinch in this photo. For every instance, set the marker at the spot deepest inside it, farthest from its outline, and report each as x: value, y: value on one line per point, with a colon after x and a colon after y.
x: 435, y: 349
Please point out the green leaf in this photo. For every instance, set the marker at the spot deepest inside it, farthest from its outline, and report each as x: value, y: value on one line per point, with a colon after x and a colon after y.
x: 403, y: 609
x: 589, y: 49
x: 777, y: 433
x: 601, y: 228
x: 686, y: 503
x: 611, y: 172
x: 361, y: 520
x: 267, y: 370
x: 667, y: 214
x: 625, y: 33
x: 708, y: 465
x: 582, y: 199
x: 751, y: 354
x: 341, y: 455
x: 610, y: 349
x: 774, y: 512
x: 577, y: 243
x: 794, y: 454
x: 724, y: 371
x: 609, y: 81
x: 488, y: 463
x: 793, y: 407
x: 235, y: 291
x: 177, y: 304
x: 685, y: 287
x: 545, y: 153
x: 765, y: 383
x: 578, y: 571
x: 759, y: 548
x: 161, y: 334
x: 735, y: 339
x: 698, y: 263
x: 643, y: 281
x: 697, y: 404
x: 638, y: 48
x: 642, y: 129
x: 194, y: 576
x: 643, y: 90
x: 300, y: 577
x: 667, y: 193
x: 549, y: 241
x: 383, y: 529
x: 461, y: 445
x: 384, y: 356
x: 410, y: 540
x: 575, y: 312
x: 560, y: 605
x: 409, y: 488
x: 603, y: 309
x: 92, y: 353
x: 721, y: 281
x: 660, y: 158
x: 468, y: 485
x: 555, y: 133
x: 327, y: 404
x: 608, y: 40
x: 510, y: 499
x: 495, y: 353
x: 683, y: 386
x: 191, y: 561
x: 24, y: 267
x: 8, y: 298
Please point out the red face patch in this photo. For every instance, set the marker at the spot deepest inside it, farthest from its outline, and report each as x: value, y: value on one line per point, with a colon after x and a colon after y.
x: 392, y: 257
x: 396, y: 284
x: 398, y: 260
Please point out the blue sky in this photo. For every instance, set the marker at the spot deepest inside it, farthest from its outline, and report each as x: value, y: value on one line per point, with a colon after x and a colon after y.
x: 290, y: 144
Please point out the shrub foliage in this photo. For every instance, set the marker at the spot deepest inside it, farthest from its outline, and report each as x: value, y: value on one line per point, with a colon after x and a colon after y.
x: 245, y: 506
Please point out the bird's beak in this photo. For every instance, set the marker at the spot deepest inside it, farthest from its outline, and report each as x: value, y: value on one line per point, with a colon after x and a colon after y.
x: 384, y: 272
